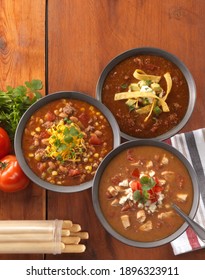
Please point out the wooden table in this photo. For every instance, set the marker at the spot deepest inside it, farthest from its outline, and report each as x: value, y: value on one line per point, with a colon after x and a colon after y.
x: 67, y: 44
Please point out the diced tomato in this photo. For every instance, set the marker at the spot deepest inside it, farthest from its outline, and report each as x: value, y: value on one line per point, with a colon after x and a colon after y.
x: 135, y: 185
x: 73, y: 172
x: 152, y: 195
x: 95, y: 140
x: 84, y: 119
x: 44, y: 134
x: 136, y: 173
x: 49, y: 116
x: 157, y: 189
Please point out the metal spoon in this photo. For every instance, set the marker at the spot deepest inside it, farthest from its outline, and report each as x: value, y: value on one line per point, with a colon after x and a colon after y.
x: 196, y: 227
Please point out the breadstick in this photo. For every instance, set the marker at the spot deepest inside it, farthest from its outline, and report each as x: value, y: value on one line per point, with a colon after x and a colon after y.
x: 67, y: 224
x: 26, y: 226
x: 25, y: 237
x: 70, y: 239
x: 77, y: 248
x: 75, y: 228
x: 65, y: 232
x: 81, y: 234
x: 28, y: 247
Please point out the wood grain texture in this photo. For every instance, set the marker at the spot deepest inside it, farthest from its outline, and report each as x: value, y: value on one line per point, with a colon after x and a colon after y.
x: 22, y: 58
x: 83, y: 37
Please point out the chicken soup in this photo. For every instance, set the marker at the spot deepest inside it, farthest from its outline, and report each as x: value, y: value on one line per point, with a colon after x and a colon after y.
x: 136, y: 191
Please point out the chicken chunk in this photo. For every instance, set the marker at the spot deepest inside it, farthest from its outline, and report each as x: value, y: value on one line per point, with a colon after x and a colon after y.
x: 149, y: 164
x: 146, y: 227
x: 125, y: 221
x: 165, y: 215
x: 164, y: 160
x: 141, y: 216
x: 112, y: 191
x: 182, y: 197
x: 115, y: 202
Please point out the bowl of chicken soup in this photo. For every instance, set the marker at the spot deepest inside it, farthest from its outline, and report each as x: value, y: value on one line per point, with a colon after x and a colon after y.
x: 134, y: 189
x: 62, y: 138
x: 150, y: 92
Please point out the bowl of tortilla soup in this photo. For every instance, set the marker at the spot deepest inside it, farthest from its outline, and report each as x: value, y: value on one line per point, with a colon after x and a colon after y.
x: 150, y: 92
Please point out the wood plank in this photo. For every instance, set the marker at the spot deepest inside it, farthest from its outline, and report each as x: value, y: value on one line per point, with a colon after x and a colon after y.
x: 22, y: 58
x: 83, y: 37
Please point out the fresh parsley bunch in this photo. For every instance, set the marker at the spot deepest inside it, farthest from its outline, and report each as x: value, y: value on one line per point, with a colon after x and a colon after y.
x: 15, y: 101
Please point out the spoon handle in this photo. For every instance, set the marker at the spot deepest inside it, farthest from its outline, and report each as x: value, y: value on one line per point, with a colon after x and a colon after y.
x: 196, y: 227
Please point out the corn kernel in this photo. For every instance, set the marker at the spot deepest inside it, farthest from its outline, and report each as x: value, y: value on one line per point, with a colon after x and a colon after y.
x: 54, y: 173
x: 31, y: 155
x: 38, y: 129
x: 88, y: 168
x: 96, y: 155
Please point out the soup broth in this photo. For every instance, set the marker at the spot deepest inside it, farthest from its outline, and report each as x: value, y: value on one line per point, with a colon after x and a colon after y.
x: 138, y: 123
x: 136, y: 191
x: 65, y: 140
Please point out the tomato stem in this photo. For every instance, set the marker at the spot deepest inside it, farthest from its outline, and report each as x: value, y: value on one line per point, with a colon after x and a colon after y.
x: 3, y: 165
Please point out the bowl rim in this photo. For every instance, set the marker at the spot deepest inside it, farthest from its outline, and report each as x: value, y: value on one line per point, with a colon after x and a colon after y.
x: 102, y: 167
x: 167, y: 55
x: 34, y: 107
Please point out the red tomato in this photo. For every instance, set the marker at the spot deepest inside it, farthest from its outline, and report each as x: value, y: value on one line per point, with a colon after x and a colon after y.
x: 135, y: 185
x: 49, y: 116
x: 136, y: 173
x: 95, y: 140
x: 157, y: 189
x: 5, y: 143
x: 12, y: 178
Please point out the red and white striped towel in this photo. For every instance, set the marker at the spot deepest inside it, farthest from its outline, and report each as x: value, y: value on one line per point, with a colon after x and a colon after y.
x: 192, y: 146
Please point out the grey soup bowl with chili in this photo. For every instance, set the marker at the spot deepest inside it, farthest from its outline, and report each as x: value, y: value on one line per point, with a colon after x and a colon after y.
x: 62, y: 138
x: 134, y: 188
x: 150, y: 92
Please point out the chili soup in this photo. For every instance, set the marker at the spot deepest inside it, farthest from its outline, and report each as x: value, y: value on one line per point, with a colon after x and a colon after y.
x: 65, y: 140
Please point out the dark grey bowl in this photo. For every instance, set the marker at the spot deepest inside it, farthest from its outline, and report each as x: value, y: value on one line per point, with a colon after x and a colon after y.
x: 168, y: 56
x: 102, y: 167
x: 41, y: 102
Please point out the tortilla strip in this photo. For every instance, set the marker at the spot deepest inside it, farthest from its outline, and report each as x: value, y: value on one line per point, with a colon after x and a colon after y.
x: 137, y: 94
x: 168, y: 79
x: 141, y: 75
x: 152, y: 107
x: 144, y: 110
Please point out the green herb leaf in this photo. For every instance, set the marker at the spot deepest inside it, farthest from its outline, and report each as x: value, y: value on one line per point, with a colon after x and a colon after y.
x: 15, y: 101
x: 61, y: 147
x: 147, y: 182
x: 157, y: 110
x: 124, y: 86
x: 34, y: 85
x: 68, y: 139
x: 140, y: 197
x: 73, y: 131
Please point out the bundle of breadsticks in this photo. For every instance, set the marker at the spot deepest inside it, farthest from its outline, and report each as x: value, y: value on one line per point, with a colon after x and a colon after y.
x: 44, y: 236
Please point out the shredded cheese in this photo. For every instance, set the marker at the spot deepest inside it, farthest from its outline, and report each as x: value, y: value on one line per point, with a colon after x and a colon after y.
x: 66, y: 142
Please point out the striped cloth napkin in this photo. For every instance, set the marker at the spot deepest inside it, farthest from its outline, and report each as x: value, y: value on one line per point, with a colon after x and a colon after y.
x: 192, y: 146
